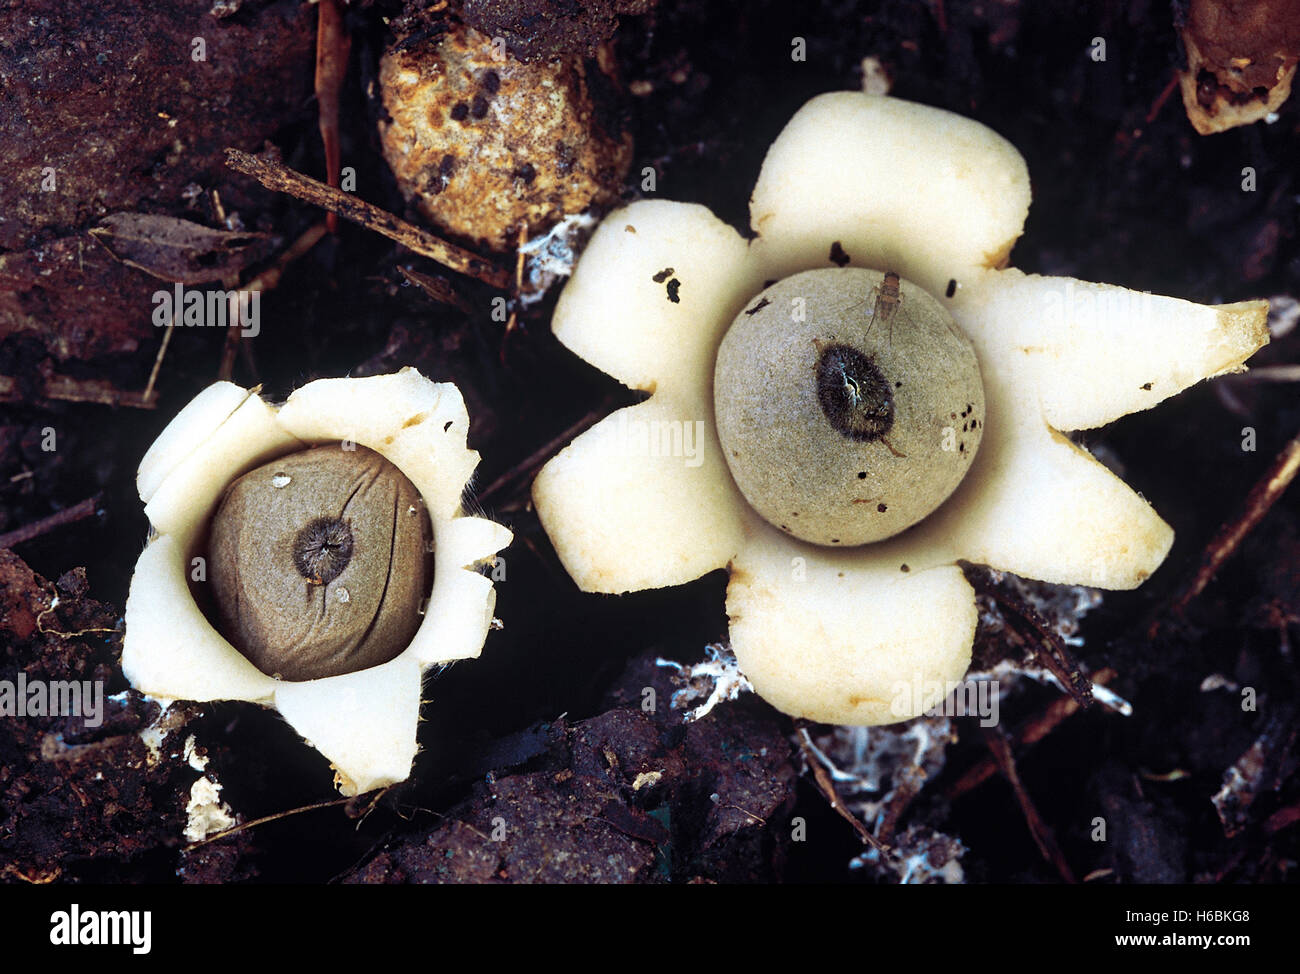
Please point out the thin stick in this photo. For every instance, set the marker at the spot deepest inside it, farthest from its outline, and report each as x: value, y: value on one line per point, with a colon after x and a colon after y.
x: 1051, y: 717
x: 827, y: 788
x: 274, y: 175
x: 66, y: 389
x: 535, y: 460
x: 68, y: 515
x: 332, y: 46
x: 1258, y: 502
x: 264, y: 819
x: 265, y: 281
x: 1044, y: 641
x: 162, y: 350
x: 1269, y: 373
x: 1163, y: 97
x: 1042, y: 834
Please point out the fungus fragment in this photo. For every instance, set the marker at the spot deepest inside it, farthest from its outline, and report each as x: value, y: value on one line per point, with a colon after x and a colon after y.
x: 1241, y: 60
x: 541, y: 143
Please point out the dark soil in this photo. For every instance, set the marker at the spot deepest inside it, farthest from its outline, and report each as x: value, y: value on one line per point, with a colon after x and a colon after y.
x: 547, y: 727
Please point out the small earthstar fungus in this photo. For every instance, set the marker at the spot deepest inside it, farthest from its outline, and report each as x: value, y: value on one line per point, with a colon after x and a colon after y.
x: 314, y: 558
x: 862, y: 396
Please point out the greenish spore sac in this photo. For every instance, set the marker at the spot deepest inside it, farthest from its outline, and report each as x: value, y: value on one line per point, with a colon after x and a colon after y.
x: 848, y: 403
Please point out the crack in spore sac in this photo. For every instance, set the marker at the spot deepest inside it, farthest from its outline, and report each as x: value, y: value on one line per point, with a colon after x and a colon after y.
x: 323, y: 549
x: 854, y: 394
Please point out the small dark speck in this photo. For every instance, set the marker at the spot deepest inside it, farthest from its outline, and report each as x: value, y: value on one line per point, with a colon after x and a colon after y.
x: 478, y: 107
x: 881, y: 508
x: 835, y: 540
x: 841, y: 574
x: 663, y: 275
x: 1146, y: 386
x: 674, y: 286
x: 459, y: 111
x: 785, y: 527
x: 952, y: 289
x: 447, y: 425
x: 446, y: 167
x: 898, y: 385
x: 629, y: 229
x: 904, y: 568
x: 838, y: 256
x: 794, y: 513
x: 862, y: 475
x: 952, y: 415
x: 974, y: 422
x: 491, y: 82
x: 961, y: 448
x: 758, y: 307
x: 964, y: 426
x: 527, y: 173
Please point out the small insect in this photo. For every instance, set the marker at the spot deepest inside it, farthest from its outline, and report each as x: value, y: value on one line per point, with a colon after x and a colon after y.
x: 888, y: 300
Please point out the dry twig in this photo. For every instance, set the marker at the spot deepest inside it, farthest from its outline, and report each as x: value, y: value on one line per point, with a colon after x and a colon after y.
x: 278, y: 177
x: 1051, y: 717
x: 332, y: 46
x: 1044, y: 641
x: 1258, y: 502
x: 827, y: 787
x: 67, y: 389
x: 535, y: 460
x: 265, y: 281
x: 1043, y: 838
x: 68, y: 515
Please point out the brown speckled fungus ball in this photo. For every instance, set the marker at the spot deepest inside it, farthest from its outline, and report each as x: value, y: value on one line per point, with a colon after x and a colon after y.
x: 486, y: 145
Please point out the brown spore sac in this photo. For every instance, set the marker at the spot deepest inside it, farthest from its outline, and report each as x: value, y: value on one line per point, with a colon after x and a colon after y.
x: 318, y: 563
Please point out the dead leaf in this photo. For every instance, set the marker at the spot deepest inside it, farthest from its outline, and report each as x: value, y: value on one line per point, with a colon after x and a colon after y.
x: 177, y: 250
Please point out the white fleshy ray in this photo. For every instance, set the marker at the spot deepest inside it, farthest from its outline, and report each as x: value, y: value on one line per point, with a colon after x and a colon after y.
x: 900, y: 186
x: 618, y: 311
x: 628, y: 509
x: 847, y: 637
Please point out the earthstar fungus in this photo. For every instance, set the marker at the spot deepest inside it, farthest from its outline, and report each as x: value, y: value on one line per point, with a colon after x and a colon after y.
x: 840, y: 630
x: 382, y: 462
